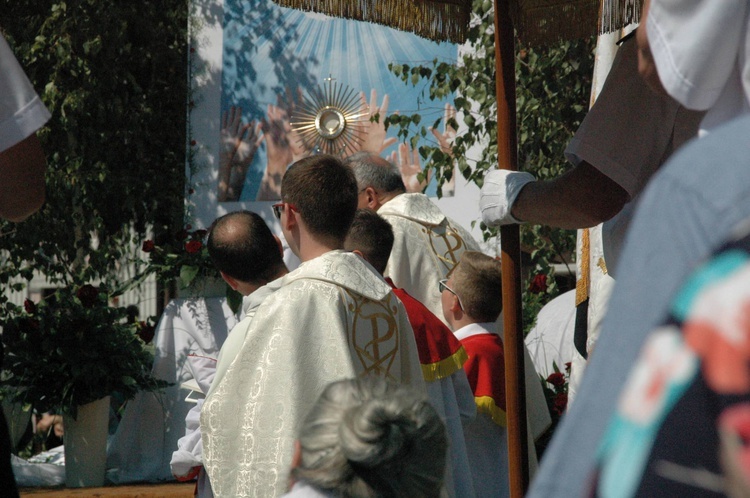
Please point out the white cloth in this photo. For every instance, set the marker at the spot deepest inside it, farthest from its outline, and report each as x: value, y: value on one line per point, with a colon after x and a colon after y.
x: 487, y: 442
x: 21, y: 110
x: 332, y: 318
x: 550, y: 341
x: 453, y: 400
x: 701, y: 48
x: 499, y: 192
x: 152, y: 424
x: 427, y: 245
x: 303, y: 490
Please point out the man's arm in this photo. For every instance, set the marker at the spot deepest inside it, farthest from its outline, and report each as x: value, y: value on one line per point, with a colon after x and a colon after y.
x: 582, y: 197
x: 22, y: 168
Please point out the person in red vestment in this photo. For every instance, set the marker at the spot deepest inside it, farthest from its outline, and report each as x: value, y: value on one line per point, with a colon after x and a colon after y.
x: 440, y: 353
x: 472, y: 302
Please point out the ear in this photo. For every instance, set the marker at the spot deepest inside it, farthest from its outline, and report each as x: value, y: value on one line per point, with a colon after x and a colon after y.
x: 229, y: 280
x: 359, y: 253
x: 373, y: 199
x: 291, y: 218
x: 281, y: 246
x: 455, y: 304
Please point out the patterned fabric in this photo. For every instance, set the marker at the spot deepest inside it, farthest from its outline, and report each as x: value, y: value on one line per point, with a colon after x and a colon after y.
x: 686, y: 400
x: 486, y: 371
x: 332, y: 318
x: 440, y: 353
x: 427, y: 246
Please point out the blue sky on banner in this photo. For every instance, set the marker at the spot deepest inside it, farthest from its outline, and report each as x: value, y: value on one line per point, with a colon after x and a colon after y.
x: 269, y: 49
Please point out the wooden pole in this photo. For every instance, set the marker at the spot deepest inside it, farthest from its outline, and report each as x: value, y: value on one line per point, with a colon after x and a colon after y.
x: 507, y: 148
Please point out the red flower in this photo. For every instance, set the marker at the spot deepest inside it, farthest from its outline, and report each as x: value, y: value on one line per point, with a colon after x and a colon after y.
x: 560, y: 403
x: 29, y: 306
x: 557, y: 379
x: 193, y: 246
x: 146, y: 331
x: 88, y: 294
x: 567, y: 367
x: 538, y: 284
x: 148, y: 246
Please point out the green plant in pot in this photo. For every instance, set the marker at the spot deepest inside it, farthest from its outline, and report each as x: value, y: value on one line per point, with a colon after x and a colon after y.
x: 71, y: 349
x: 68, y: 354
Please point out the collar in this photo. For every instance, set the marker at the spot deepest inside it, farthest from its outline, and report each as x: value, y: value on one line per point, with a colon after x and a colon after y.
x: 417, y: 207
x: 476, y: 329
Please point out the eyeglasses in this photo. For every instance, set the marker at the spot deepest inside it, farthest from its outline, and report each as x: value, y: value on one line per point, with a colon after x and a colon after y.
x: 279, y: 207
x: 443, y: 286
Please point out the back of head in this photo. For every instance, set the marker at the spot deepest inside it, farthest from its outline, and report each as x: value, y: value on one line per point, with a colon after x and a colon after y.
x: 373, y: 171
x: 372, y: 235
x: 368, y: 438
x: 324, y: 193
x: 242, y: 246
x: 477, y: 280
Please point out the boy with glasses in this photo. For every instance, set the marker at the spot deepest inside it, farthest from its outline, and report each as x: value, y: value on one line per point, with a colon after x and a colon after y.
x: 472, y: 302
x: 333, y: 317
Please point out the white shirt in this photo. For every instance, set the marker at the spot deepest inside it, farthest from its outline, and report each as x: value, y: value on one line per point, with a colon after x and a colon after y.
x: 700, y: 48
x: 21, y: 110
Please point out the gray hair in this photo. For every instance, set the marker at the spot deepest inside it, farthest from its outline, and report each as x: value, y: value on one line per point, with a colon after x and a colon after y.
x: 368, y: 438
x: 373, y: 171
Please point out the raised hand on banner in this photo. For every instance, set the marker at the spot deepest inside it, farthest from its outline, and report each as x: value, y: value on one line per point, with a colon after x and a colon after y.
x: 410, y: 165
x: 372, y: 137
x: 239, y: 143
x: 289, y: 105
x: 278, y: 152
x: 445, y: 141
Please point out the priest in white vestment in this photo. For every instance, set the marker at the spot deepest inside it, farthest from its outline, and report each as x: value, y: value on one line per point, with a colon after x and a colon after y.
x: 427, y: 243
x: 332, y: 318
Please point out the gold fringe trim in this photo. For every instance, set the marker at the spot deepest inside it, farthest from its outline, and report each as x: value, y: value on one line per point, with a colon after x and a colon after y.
x: 486, y: 404
x: 445, y: 367
x: 439, y: 20
x: 541, y: 22
x: 616, y: 14
x: 582, y: 284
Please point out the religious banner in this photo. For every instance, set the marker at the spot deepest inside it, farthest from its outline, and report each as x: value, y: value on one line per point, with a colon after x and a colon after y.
x: 270, y: 85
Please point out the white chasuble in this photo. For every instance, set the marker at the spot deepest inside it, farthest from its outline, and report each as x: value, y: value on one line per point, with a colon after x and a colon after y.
x: 427, y: 246
x: 332, y: 318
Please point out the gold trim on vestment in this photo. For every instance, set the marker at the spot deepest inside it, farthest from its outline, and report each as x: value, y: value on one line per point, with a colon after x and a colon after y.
x: 445, y: 367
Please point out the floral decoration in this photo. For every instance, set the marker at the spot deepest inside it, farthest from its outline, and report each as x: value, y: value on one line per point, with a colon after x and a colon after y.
x: 181, y: 257
x: 72, y: 348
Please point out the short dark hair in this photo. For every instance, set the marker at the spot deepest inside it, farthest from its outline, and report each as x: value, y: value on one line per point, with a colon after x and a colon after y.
x: 324, y: 193
x: 477, y: 280
x: 242, y: 246
x: 371, y: 234
x: 373, y: 171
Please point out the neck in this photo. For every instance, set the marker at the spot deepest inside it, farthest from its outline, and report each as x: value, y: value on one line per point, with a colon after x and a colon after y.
x: 459, y: 322
x: 310, y: 247
x: 385, y: 197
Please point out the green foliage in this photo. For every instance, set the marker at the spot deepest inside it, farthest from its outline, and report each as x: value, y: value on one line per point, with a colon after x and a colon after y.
x: 552, y: 93
x: 72, y: 349
x: 113, y: 76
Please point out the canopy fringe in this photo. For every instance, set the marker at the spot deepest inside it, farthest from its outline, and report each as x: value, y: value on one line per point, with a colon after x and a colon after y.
x: 443, y: 20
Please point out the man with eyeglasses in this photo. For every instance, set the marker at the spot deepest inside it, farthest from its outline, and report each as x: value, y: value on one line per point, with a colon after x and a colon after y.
x: 333, y: 317
x: 427, y: 243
